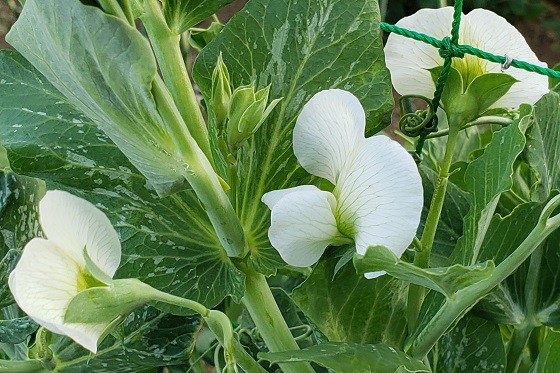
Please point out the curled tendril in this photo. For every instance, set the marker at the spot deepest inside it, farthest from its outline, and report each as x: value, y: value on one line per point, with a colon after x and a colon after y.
x: 420, y: 122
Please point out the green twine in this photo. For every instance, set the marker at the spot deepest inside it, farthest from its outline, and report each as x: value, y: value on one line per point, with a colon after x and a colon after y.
x: 450, y: 48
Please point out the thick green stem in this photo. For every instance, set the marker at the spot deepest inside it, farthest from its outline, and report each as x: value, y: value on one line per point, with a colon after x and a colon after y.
x: 465, y: 298
x: 167, y: 48
x: 264, y: 311
x: 220, y: 325
x: 516, y: 346
x: 522, y: 332
x: 198, y: 171
x: 416, y: 293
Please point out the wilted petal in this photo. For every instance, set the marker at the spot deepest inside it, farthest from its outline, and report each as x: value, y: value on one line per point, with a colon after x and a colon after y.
x: 327, y: 131
x: 492, y: 33
x: 380, y: 197
x: 73, y: 223
x: 303, y: 225
x: 43, y: 283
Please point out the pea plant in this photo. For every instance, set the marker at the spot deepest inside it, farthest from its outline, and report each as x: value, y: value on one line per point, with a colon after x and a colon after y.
x: 273, y: 222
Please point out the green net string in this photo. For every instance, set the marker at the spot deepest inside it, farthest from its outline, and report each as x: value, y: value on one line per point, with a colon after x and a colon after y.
x: 450, y: 48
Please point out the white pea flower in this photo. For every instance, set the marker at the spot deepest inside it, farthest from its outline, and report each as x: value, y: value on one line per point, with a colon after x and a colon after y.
x: 377, y: 198
x: 409, y: 61
x: 52, y: 271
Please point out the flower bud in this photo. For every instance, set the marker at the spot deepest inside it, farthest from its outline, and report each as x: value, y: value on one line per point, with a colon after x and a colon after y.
x: 221, y: 92
x: 247, y: 113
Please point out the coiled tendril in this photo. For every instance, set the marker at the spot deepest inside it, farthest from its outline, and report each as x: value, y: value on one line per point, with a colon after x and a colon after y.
x: 420, y: 122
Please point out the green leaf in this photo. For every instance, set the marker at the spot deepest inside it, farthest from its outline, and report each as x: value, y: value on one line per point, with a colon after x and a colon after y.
x: 4, y: 163
x: 453, y: 89
x: 19, y: 198
x: 446, y: 280
x: 168, y: 243
x: 7, y: 265
x: 506, y: 303
x: 554, y: 83
x: 350, y: 308
x: 543, y: 142
x: 105, y: 68
x: 473, y: 345
x: 299, y: 47
x: 181, y: 15
x: 549, y: 358
x: 148, y: 339
x: 17, y: 330
x: 351, y: 357
x: 450, y: 227
x: 497, y: 161
x: 488, y: 88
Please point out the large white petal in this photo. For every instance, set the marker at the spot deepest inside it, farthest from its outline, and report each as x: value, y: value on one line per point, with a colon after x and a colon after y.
x: 303, y: 225
x: 73, y: 223
x: 492, y: 33
x: 326, y: 132
x: 43, y: 283
x: 380, y: 196
x: 409, y: 60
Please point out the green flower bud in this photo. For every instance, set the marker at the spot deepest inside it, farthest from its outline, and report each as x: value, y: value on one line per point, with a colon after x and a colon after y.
x: 248, y: 111
x: 221, y: 91
x: 200, y: 38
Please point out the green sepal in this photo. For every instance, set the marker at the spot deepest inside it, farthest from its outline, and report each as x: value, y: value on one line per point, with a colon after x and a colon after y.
x: 200, y: 38
x: 221, y: 91
x: 446, y: 280
x: 94, y: 270
x: 487, y: 89
x: 104, y: 304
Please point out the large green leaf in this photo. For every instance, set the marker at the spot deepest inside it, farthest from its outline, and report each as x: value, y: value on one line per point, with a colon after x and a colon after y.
x: 184, y: 14
x: 299, y: 47
x: 473, y: 345
x: 534, y: 289
x: 19, y: 197
x: 486, y: 178
x: 446, y: 280
x: 16, y: 330
x: 351, y: 358
x: 106, y: 68
x: 548, y: 360
x: 349, y: 308
x: 149, y: 339
x: 543, y: 144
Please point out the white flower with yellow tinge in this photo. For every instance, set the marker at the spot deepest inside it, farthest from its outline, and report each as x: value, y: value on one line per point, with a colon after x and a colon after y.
x: 410, y: 61
x: 52, y: 271
x: 377, y: 195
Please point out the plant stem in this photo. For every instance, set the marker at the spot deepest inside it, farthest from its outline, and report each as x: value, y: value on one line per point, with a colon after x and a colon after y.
x: 522, y: 332
x: 516, y: 346
x: 198, y: 171
x: 167, y: 48
x: 416, y: 293
x: 266, y: 315
x: 219, y: 323
x: 465, y: 298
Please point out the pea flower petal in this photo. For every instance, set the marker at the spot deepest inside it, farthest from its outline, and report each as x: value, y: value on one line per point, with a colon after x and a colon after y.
x: 409, y: 60
x: 377, y: 198
x: 52, y: 271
